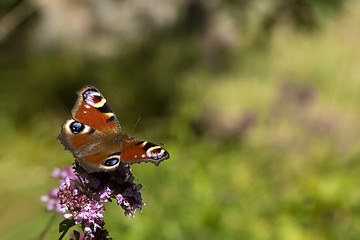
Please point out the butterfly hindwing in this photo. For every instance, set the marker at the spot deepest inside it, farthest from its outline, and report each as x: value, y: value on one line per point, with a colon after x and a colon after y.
x: 75, y: 135
x: 100, y: 162
x: 142, y: 151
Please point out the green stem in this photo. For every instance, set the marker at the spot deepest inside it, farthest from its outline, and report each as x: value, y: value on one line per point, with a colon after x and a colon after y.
x: 64, y: 233
x: 47, y: 227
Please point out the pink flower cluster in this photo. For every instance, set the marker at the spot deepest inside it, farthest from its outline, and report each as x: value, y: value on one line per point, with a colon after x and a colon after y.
x: 81, y: 197
x: 51, y: 200
x: 78, y: 206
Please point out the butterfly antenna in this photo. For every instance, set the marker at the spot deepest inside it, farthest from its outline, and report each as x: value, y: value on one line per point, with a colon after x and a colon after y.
x: 136, y: 124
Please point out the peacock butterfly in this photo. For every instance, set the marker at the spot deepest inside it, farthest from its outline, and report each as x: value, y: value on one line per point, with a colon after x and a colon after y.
x: 93, y: 135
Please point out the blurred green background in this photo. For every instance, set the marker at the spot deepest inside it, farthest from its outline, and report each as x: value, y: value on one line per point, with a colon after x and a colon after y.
x: 257, y: 102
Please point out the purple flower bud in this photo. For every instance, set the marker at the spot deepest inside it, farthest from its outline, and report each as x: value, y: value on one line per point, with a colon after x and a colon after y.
x: 105, y: 194
x: 65, y: 172
x: 119, y: 199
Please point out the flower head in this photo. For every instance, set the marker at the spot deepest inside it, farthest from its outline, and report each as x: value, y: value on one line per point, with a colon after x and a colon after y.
x: 81, y: 196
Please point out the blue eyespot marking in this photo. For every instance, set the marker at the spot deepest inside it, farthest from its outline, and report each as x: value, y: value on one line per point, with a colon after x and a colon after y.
x: 76, y: 127
x: 110, y: 162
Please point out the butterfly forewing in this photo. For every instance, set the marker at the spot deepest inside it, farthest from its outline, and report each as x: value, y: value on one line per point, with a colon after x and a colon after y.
x: 92, y: 109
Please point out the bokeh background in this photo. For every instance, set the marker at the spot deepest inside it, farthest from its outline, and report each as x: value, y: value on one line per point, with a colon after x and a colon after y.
x: 257, y: 102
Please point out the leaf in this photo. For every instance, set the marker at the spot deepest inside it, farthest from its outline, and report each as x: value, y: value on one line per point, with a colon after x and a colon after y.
x: 66, y: 224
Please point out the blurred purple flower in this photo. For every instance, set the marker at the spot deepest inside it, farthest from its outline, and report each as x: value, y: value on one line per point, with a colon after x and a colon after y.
x: 51, y: 201
x: 63, y: 173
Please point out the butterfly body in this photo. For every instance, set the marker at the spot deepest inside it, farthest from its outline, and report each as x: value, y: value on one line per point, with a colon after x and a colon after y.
x: 93, y: 135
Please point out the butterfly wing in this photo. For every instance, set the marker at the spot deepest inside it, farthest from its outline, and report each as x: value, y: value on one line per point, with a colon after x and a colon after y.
x: 92, y: 126
x: 93, y: 135
x: 142, y: 151
x: 127, y: 151
x: 92, y: 110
